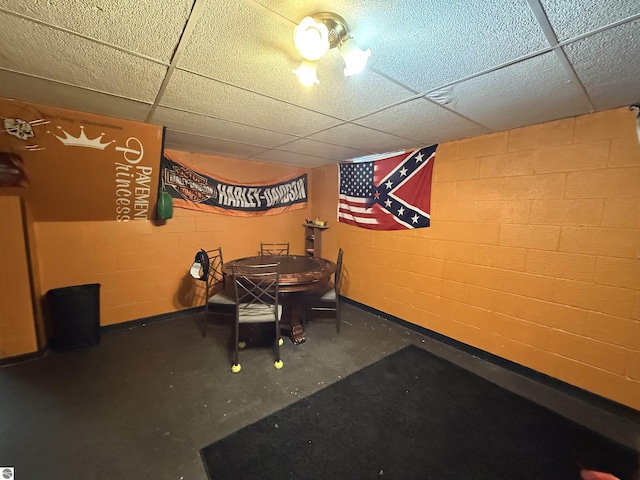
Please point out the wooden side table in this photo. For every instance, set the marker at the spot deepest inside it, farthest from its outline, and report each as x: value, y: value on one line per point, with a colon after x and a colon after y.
x: 312, y: 239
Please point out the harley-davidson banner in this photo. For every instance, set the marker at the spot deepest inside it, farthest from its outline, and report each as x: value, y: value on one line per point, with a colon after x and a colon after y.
x: 194, y: 189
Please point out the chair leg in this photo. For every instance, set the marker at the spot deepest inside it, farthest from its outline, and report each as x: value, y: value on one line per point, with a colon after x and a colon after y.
x: 236, y: 345
x: 337, y: 316
x: 278, y: 362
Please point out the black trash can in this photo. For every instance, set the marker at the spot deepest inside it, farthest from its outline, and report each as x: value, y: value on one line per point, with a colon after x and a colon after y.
x: 75, y: 315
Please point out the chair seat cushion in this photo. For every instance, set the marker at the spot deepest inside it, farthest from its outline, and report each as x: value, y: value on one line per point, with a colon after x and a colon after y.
x: 325, y: 293
x: 221, y: 298
x: 329, y: 296
x: 257, y: 313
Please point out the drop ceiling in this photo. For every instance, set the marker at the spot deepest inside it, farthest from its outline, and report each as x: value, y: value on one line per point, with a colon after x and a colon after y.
x: 218, y: 73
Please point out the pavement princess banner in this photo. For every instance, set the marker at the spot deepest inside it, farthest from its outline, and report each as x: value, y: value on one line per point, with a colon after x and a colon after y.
x: 195, y: 189
x: 77, y: 166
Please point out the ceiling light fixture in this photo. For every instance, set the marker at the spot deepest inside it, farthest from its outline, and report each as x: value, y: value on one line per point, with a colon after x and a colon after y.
x: 306, y: 73
x: 316, y: 35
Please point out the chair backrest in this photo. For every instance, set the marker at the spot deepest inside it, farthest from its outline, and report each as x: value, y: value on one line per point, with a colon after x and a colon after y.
x: 338, y: 273
x: 274, y: 248
x: 256, y: 286
x: 216, y: 275
x: 207, y: 266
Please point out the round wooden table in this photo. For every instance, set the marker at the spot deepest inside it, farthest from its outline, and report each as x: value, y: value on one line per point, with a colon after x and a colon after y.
x: 297, y: 273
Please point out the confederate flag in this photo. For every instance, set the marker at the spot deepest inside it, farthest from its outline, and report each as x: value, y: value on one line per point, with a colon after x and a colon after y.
x: 389, y: 194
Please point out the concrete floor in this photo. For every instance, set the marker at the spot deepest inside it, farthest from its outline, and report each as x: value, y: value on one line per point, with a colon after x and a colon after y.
x: 144, y: 401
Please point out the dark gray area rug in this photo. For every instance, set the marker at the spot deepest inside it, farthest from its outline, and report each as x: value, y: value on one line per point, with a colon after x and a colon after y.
x: 413, y: 415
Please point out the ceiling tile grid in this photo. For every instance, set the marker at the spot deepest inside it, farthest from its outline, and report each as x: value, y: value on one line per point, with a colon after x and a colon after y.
x: 48, y: 53
x: 232, y: 29
x: 363, y: 138
x: 291, y: 158
x: 422, y: 121
x: 215, y: 146
x: 321, y: 149
x: 217, y: 128
x: 46, y: 92
x: 428, y: 44
x: 524, y: 93
x: 607, y: 65
x: 187, y: 91
x: 440, y: 69
x: 149, y: 27
x: 573, y: 18
x: 263, y: 45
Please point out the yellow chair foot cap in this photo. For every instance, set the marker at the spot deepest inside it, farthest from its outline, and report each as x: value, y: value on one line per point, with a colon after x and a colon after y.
x: 280, y: 341
x: 242, y: 344
x: 278, y: 364
x: 236, y: 368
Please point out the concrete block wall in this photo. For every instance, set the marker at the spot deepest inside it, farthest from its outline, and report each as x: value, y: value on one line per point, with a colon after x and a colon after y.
x: 143, y: 268
x: 17, y: 329
x: 533, y: 252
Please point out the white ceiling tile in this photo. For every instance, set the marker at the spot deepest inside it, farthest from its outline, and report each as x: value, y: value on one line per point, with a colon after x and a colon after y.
x: 422, y: 121
x: 14, y: 85
x: 572, y: 18
x: 256, y: 51
x: 216, y: 128
x: 45, y: 52
x: 363, y: 138
x: 145, y: 26
x: 607, y: 64
x: 321, y: 149
x: 232, y: 34
x: 436, y: 71
x: 237, y: 105
x: 525, y: 93
x: 290, y: 158
x: 427, y: 43
x: 215, y: 146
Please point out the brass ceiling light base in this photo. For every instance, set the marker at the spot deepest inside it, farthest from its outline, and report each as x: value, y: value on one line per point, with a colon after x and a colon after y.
x: 336, y: 25
x: 315, y: 35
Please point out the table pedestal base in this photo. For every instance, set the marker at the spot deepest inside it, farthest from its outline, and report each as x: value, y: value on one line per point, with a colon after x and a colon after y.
x: 291, y: 317
x: 297, y: 334
x: 297, y: 274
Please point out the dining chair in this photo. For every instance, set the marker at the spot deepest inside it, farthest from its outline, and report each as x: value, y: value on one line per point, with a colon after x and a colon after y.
x: 256, y: 288
x: 219, y: 299
x: 274, y: 248
x: 325, y: 298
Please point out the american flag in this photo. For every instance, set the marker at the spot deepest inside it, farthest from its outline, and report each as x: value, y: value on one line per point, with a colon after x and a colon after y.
x: 389, y: 194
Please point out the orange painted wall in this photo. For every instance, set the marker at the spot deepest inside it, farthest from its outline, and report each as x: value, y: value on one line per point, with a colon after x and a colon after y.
x: 533, y: 252
x: 532, y: 256
x: 17, y: 329
x: 142, y: 267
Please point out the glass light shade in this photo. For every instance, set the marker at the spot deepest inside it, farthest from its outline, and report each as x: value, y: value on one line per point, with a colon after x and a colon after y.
x: 311, y: 38
x: 306, y: 73
x: 354, y: 59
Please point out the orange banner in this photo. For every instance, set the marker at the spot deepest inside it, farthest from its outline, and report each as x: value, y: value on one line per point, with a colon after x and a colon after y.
x: 82, y: 166
x: 195, y: 189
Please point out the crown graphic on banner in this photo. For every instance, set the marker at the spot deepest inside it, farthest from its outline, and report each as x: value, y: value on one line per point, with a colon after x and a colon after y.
x: 82, y: 140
